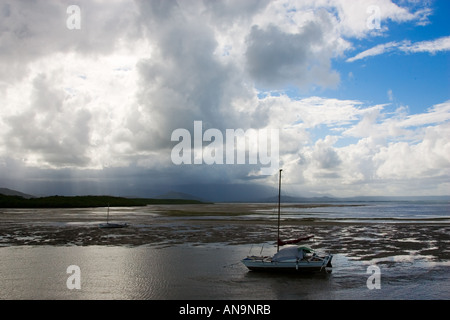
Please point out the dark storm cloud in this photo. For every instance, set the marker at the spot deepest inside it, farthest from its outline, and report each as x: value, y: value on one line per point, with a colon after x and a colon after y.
x: 225, y: 13
x: 276, y: 58
x: 58, y: 136
x: 30, y: 30
x: 184, y: 80
x: 93, y: 110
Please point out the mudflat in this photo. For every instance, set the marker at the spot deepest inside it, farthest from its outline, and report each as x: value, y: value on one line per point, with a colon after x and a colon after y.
x: 232, y: 224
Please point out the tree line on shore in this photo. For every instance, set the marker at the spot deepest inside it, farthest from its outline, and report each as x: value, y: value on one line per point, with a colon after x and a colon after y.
x: 7, y: 201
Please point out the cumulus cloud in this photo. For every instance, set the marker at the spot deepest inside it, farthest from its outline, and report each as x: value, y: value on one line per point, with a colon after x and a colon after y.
x: 276, y: 59
x: 99, y: 104
x: 428, y: 158
x: 46, y: 131
x: 399, y: 148
x: 31, y: 30
x: 183, y: 81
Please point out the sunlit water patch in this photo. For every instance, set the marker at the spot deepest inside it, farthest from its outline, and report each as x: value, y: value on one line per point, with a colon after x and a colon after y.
x: 205, y: 272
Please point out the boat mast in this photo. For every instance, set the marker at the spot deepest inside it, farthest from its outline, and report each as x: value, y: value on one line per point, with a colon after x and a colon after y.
x: 279, y: 201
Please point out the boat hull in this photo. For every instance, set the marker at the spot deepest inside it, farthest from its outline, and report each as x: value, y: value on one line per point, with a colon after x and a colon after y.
x: 267, y: 265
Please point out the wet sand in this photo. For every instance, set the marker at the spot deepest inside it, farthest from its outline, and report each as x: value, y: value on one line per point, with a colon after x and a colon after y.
x: 169, y: 225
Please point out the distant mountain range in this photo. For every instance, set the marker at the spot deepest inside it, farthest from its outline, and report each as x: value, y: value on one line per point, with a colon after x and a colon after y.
x: 284, y: 198
x: 321, y: 199
x: 327, y: 199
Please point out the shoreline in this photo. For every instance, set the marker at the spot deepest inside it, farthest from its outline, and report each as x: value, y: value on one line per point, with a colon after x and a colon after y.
x: 364, y: 241
x: 227, y: 224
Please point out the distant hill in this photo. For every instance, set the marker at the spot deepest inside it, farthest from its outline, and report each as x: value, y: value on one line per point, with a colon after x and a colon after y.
x: 396, y: 198
x: 177, y: 195
x: 9, y: 192
x: 290, y: 199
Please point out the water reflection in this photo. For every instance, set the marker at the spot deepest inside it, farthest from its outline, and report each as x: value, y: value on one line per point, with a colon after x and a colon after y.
x: 141, y: 273
x: 204, y: 272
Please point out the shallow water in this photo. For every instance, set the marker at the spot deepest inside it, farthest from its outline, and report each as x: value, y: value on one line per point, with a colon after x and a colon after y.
x: 203, y: 272
x: 163, y: 255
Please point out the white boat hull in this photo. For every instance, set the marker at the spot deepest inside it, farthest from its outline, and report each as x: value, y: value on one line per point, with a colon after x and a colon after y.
x: 267, y: 264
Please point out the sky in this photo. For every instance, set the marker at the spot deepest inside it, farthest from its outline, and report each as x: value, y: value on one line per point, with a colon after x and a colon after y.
x: 137, y: 98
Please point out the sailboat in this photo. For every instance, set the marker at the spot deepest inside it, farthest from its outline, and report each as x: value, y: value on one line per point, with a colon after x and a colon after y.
x: 111, y: 225
x: 297, y: 258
